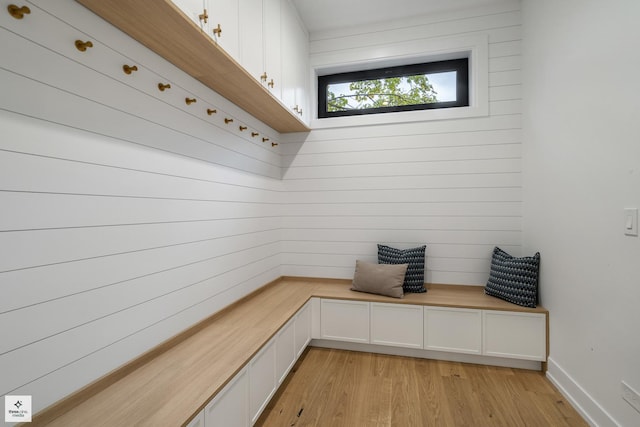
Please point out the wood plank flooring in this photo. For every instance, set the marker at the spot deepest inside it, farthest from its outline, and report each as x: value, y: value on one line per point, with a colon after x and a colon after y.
x: 342, y: 388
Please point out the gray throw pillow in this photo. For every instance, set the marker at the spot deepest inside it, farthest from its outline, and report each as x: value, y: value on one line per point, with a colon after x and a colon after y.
x: 514, y: 279
x: 414, y: 279
x: 382, y: 279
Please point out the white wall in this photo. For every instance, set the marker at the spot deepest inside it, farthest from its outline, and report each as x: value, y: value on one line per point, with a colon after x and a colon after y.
x: 582, y: 168
x: 454, y: 185
x: 127, y: 215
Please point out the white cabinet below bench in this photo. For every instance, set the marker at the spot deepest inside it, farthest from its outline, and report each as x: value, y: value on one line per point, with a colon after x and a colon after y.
x: 514, y: 335
x: 344, y: 320
x: 497, y: 334
x: 241, y: 402
x: 457, y: 330
x: 397, y: 325
x: 230, y: 408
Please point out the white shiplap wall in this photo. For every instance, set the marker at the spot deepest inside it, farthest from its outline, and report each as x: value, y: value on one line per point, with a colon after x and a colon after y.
x: 454, y: 185
x: 127, y: 215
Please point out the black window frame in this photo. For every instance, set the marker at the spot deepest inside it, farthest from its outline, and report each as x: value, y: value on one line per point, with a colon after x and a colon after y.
x: 460, y: 66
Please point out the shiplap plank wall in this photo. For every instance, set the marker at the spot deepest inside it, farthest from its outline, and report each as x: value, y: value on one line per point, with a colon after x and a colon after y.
x: 127, y: 216
x: 454, y: 185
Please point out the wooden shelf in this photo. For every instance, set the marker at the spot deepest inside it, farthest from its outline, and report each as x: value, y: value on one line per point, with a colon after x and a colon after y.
x: 163, y: 28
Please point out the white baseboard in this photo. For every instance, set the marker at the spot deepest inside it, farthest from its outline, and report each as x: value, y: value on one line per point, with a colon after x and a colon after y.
x: 582, y: 401
x: 427, y: 354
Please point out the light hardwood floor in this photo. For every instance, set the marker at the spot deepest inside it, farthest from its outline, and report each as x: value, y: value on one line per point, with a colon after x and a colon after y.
x: 335, y: 388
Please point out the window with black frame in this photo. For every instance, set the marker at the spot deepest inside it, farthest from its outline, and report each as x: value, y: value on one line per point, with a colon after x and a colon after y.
x: 430, y: 85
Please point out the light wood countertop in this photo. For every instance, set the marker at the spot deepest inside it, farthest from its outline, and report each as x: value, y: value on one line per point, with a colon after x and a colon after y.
x: 172, y: 383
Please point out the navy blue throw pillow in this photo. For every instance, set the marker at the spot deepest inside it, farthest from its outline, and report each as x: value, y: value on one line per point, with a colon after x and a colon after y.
x: 514, y: 279
x: 414, y: 279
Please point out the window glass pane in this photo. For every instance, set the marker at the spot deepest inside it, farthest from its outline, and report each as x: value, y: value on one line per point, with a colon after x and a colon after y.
x: 439, y: 84
x: 392, y: 92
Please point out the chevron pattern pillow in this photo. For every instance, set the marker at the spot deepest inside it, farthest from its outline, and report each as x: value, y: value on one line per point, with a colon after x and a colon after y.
x: 514, y: 279
x: 414, y: 279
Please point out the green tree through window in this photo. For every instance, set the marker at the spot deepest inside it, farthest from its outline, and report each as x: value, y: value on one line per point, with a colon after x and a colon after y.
x: 387, y: 92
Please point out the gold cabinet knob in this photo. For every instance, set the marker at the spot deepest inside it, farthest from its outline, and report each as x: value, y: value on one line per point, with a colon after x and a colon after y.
x: 162, y: 87
x: 210, y: 111
x: 82, y: 46
x: 18, y: 12
x: 227, y: 120
x: 217, y: 31
x: 204, y: 17
x: 190, y: 101
x: 128, y: 70
x: 242, y: 128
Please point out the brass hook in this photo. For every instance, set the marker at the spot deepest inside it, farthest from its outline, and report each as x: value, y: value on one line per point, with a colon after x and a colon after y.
x: 274, y: 144
x: 190, y: 101
x: 227, y: 121
x: 265, y: 139
x: 128, y: 70
x: 270, y: 84
x: 242, y: 128
x: 210, y: 111
x: 18, y: 12
x: 162, y: 87
x: 263, y: 77
x: 254, y: 134
x: 82, y: 46
x: 218, y: 31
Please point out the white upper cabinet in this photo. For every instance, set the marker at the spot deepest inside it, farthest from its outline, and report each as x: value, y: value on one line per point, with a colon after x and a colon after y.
x: 271, y: 35
x: 251, y: 40
x: 224, y: 25
x: 195, y: 10
x: 295, y: 52
x: 266, y: 37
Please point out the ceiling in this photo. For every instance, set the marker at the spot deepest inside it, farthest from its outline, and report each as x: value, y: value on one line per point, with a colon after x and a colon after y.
x: 320, y: 15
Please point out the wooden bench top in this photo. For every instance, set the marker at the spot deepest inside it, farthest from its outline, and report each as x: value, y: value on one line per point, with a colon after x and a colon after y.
x: 174, y: 381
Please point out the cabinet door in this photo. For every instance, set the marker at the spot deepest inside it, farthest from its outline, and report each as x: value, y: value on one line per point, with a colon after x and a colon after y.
x: 285, y: 350
x: 193, y: 9
x: 262, y: 379
x: 344, y: 320
x: 251, y: 42
x: 396, y: 324
x: 515, y: 335
x: 271, y: 30
x: 456, y: 330
x: 291, y: 59
x: 226, y: 14
x: 230, y: 408
x: 302, y: 329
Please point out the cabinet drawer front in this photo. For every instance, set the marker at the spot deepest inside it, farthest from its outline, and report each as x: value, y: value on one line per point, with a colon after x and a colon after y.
x: 453, y: 329
x: 344, y: 320
x: 285, y: 351
x: 262, y: 379
x: 515, y: 335
x: 398, y: 325
x: 231, y: 407
x: 302, y: 329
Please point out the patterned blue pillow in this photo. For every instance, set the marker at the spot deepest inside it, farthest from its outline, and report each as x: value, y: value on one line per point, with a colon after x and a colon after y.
x: 514, y: 279
x: 414, y: 279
